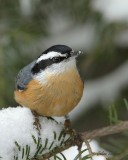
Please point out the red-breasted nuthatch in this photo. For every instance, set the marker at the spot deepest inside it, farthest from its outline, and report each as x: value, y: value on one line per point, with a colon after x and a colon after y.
x: 50, y: 85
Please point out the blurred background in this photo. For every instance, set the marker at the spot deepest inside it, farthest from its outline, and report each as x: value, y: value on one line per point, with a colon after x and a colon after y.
x: 97, y: 27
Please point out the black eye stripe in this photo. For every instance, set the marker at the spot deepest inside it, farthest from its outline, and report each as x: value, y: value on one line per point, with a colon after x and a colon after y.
x: 41, y: 66
x: 47, y: 62
x: 58, y: 59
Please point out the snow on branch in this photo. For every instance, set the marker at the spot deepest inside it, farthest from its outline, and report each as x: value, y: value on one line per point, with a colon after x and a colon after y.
x: 19, y: 138
x: 24, y: 136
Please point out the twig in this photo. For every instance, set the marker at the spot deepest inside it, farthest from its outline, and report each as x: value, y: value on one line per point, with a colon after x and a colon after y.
x: 120, y: 127
x: 89, y: 149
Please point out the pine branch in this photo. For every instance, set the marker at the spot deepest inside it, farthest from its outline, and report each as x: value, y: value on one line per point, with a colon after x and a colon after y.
x: 40, y: 138
x: 113, y: 129
x: 120, y: 127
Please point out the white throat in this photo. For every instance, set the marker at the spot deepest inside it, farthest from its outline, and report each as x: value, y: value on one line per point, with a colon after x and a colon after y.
x: 54, y: 70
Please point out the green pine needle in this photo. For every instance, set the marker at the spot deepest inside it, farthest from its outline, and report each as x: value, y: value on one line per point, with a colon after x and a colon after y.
x: 63, y: 156
x: 38, y: 151
x: 57, y: 157
x: 38, y: 143
x: 80, y: 153
x: 34, y: 139
x: 46, y: 143
x: 113, y: 115
x: 86, y: 157
x: 54, y: 135
x: 22, y: 153
x: 60, y: 136
x: 51, y: 145
x: 126, y: 103
x: 17, y: 145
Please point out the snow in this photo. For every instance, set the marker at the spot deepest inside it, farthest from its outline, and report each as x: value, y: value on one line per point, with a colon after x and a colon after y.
x: 17, y: 132
x: 72, y: 152
x: 17, y: 129
x: 97, y: 149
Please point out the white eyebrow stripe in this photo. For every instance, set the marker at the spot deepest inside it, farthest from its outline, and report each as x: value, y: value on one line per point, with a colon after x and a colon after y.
x: 50, y: 55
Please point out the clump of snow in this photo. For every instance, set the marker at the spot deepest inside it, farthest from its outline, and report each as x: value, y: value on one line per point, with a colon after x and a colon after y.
x: 18, y: 134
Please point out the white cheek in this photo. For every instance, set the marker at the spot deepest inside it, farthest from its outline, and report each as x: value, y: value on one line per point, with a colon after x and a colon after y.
x: 41, y: 78
x: 54, y: 70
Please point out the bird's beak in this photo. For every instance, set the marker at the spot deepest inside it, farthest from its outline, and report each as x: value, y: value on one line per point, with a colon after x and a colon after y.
x: 76, y: 53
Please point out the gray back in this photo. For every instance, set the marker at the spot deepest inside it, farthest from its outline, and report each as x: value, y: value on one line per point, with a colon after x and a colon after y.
x: 24, y: 76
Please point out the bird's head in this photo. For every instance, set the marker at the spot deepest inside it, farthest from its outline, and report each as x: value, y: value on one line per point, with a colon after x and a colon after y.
x: 55, y: 60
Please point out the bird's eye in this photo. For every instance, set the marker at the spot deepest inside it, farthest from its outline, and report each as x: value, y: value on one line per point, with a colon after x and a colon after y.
x: 56, y: 59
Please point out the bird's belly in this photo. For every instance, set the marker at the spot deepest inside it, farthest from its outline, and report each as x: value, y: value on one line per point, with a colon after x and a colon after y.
x: 58, y: 105
x: 57, y: 99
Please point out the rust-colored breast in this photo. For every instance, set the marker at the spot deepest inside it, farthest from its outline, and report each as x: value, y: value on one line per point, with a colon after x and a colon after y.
x: 57, y: 97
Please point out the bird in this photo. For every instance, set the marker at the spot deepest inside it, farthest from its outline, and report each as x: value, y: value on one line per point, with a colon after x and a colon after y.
x: 51, y: 85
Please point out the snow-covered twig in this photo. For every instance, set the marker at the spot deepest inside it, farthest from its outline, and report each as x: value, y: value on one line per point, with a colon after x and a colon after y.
x: 20, y: 139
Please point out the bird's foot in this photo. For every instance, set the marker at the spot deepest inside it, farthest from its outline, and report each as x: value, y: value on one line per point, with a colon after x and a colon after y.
x: 68, y: 126
x: 36, y: 123
x: 77, y: 137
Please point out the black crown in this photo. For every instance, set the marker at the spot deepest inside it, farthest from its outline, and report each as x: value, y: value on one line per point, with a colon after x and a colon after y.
x: 58, y: 48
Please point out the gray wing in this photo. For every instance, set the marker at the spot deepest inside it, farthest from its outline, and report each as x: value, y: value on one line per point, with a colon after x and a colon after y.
x: 24, y: 76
